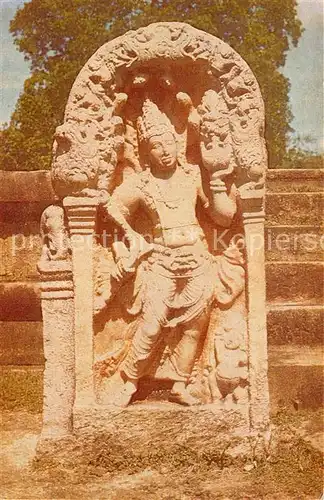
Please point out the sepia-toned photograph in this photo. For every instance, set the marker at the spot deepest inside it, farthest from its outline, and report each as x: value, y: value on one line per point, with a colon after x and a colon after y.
x: 161, y: 237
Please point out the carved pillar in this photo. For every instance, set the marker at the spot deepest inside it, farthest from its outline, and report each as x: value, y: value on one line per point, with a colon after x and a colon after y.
x: 253, y: 220
x: 58, y: 318
x: 81, y: 214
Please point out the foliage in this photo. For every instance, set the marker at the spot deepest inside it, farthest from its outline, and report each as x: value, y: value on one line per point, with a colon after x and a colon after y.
x: 57, y: 38
x: 301, y: 154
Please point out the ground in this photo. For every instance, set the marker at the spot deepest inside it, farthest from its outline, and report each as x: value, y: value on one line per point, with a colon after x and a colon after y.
x: 293, y: 472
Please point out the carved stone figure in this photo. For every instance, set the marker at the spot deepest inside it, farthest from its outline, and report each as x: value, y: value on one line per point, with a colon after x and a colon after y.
x: 160, y: 166
x: 180, y: 281
x: 54, y: 235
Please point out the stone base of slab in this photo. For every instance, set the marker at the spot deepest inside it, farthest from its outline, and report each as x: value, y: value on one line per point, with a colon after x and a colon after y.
x: 148, y: 435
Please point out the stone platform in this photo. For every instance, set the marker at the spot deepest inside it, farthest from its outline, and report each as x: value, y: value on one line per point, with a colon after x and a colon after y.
x: 152, y: 434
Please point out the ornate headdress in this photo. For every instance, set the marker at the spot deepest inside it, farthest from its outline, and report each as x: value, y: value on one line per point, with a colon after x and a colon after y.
x: 152, y: 122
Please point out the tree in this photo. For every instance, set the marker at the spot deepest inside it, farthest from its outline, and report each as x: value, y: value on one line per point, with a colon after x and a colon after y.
x: 57, y: 38
x: 301, y: 153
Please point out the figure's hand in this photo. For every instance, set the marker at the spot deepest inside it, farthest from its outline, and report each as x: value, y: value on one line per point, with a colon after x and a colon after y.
x: 138, y: 246
x: 132, y: 257
x: 216, y: 156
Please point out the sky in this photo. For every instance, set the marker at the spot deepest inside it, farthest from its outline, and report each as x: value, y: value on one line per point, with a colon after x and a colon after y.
x: 304, y: 68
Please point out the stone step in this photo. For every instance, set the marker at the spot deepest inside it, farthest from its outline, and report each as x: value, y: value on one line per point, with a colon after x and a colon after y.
x: 293, y: 355
x: 296, y: 377
x: 21, y: 388
x: 294, y: 243
x: 293, y: 324
x: 301, y: 180
x: 21, y: 343
x: 20, y: 301
x: 295, y: 282
x: 294, y: 208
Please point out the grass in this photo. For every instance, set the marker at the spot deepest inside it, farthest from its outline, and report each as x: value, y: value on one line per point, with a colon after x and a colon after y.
x: 292, y: 471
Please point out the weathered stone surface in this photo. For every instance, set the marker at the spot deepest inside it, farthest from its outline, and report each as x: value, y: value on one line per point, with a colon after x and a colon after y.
x: 295, y: 209
x: 22, y: 214
x: 296, y: 355
x: 20, y: 301
x: 176, y: 135
x: 21, y: 343
x: 295, y: 282
x: 301, y: 367
x: 151, y: 435
x: 294, y: 464
x: 21, y: 389
x: 295, y: 180
x: 303, y: 387
x: 294, y: 243
x: 20, y: 256
x: 295, y: 324
x: 20, y: 241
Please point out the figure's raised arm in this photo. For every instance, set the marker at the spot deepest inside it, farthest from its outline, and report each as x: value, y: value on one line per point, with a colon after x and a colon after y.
x: 217, y: 157
x: 220, y: 203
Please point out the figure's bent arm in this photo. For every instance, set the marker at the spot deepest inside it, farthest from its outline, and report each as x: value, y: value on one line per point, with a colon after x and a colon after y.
x: 122, y: 204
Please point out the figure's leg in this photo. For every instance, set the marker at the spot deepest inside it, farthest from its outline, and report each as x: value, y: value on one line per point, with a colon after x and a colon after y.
x: 146, y: 337
x: 143, y: 344
x: 184, y: 356
x: 135, y: 364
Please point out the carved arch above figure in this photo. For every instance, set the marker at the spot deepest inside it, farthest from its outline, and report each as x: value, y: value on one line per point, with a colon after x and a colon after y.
x: 199, y: 81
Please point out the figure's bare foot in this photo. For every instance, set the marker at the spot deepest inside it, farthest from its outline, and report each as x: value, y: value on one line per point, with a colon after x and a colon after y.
x: 179, y: 394
x: 240, y: 395
x: 122, y: 399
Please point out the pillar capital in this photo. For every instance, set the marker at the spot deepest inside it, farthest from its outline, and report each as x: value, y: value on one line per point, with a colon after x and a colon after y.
x: 253, y: 217
x: 81, y: 213
x: 252, y: 202
x: 56, y: 279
